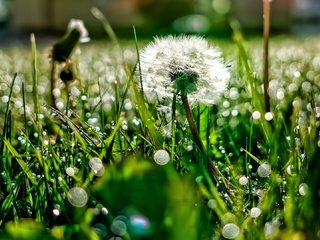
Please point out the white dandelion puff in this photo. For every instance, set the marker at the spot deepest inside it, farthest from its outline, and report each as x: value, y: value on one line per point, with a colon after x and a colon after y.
x: 185, y: 65
x: 79, y: 26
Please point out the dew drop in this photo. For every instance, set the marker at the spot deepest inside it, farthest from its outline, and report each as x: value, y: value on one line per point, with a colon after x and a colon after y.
x: 77, y: 196
x: 104, y: 211
x: 118, y: 227
x: 303, y: 189
x: 100, y: 229
x: 199, y: 179
x: 56, y: 212
x: 139, y: 225
x: 264, y: 170
x: 230, y: 231
x: 256, y: 115
x: 243, y: 180
x: 255, y: 212
x: 70, y: 171
x: 95, y: 164
x: 268, y: 116
x: 161, y: 157
x: 212, y: 203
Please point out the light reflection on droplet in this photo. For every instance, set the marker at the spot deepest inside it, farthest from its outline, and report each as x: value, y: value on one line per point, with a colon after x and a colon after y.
x: 56, y: 212
x: 139, y: 225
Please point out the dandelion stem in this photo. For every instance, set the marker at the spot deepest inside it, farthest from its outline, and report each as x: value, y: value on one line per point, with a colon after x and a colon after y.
x: 266, y: 31
x: 193, y: 128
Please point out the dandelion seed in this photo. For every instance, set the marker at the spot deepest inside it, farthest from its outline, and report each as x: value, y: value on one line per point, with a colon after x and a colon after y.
x: 264, y: 170
x: 161, y: 157
x: 230, y: 231
x: 196, y: 67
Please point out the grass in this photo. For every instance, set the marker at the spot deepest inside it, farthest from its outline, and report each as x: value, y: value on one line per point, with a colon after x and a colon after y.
x: 53, y: 186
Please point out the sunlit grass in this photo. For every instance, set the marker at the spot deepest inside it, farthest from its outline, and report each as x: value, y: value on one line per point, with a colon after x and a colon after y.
x: 90, y: 171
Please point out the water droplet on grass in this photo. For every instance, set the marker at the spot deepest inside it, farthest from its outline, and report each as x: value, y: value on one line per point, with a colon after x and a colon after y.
x: 303, y: 189
x: 243, y: 180
x: 255, y: 212
x: 256, y: 115
x: 77, y: 196
x: 118, y: 227
x: 100, y: 229
x: 139, y: 225
x: 264, y: 170
x: 95, y: 164
x: 56, y: 212
x: 268, y: 116
x: 199, y: 179
x: 212, y: 203
x: 230, y: 231
x: 161, y: 157
x: 70, y: 171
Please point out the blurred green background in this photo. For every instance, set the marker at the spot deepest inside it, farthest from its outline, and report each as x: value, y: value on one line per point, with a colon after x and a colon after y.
x: 152, y: 17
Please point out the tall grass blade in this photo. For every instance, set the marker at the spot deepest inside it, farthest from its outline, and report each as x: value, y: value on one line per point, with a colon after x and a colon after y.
x: 35, y: 78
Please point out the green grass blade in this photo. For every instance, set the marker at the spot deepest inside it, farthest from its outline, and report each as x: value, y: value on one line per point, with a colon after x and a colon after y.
x: 35, y: 77
x: 20, y: 161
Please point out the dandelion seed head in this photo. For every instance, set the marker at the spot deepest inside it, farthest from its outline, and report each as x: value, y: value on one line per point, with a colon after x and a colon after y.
x: 183, y: 63
x: 79, y: 26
